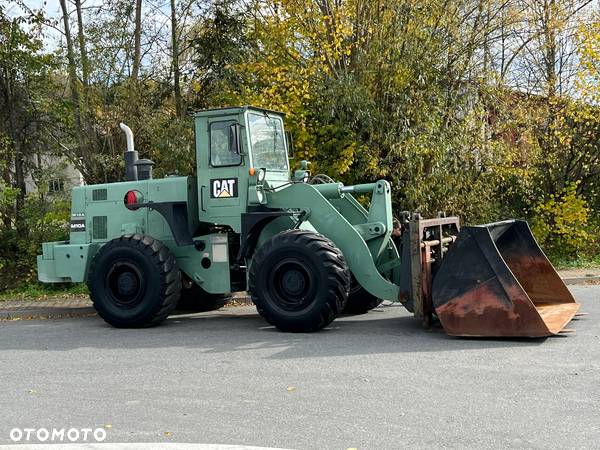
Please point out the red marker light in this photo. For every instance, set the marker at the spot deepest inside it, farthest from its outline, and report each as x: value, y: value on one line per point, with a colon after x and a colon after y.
x: 131, y: 198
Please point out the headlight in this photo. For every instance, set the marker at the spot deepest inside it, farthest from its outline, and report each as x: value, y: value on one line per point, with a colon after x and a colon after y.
x: 260, y: 196
x: 261, y: 175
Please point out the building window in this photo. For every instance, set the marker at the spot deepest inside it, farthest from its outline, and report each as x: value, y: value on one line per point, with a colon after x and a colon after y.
x: 56, y: 185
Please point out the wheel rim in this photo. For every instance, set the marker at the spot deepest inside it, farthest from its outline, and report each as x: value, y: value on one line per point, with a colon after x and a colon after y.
x: 125, y: 284
x: 292, y: 284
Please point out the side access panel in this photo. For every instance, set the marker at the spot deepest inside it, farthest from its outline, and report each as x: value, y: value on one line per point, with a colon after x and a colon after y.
x: 206, y: 262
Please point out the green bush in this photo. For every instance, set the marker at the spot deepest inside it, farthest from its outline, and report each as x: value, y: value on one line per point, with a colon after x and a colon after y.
x: 563, y: 226
x: 43, y: 218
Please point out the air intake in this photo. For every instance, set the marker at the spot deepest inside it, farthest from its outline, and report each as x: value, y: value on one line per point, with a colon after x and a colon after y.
x: 99, y: 195
x: 99, y: 227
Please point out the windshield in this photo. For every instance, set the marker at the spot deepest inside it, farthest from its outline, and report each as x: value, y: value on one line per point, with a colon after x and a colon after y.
x: 268, y: 142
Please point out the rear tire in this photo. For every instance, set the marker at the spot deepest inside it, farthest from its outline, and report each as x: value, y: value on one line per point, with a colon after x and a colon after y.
x: 299, y: 281
x: 359, y: 300
x: 134, y: 281
x: 196, y: 299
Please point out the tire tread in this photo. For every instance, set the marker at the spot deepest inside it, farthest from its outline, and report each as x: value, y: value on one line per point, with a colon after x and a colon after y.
x: 162, y: 258
x: 337, y: 285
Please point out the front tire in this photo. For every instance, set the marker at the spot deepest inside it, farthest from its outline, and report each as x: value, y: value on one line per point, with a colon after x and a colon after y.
x: 299, y: 281
x: 134, y: 281
x: 359, y: 300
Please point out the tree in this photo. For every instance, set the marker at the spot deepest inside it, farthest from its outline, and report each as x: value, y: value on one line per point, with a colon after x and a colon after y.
x: 23, y: 77
x: 27, y: 110
x: 137, y: 40
x: 175, y: 60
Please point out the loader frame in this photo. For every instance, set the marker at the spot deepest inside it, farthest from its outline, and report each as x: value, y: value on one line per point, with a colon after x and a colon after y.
x: 425, y: 242
x: 214, y: 225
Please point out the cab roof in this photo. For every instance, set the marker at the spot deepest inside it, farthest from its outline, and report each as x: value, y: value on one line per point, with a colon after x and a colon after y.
x: 234, y: 110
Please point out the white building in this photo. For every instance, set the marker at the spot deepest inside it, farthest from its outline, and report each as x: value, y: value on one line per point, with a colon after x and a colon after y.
x: 64, y: 175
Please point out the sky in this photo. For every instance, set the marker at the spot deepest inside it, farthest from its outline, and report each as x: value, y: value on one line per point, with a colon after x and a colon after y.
x: 51, y: 10
x: 51, y: 7
x: 156, y: 12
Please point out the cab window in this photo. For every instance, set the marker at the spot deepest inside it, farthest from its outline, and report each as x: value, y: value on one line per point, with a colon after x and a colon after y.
x: 268, y: 142
x: 220, y: 152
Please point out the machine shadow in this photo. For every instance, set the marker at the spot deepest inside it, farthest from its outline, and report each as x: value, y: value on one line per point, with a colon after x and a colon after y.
x: 379, y: 331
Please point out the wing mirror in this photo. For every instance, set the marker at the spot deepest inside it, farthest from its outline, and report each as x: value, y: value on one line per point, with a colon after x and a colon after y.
x: 234, y: 138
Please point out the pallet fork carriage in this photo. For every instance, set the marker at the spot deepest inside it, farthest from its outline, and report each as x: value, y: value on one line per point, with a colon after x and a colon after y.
x: 304, y: 247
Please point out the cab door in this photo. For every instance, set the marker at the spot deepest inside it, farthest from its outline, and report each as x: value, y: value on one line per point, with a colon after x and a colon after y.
x: 224, y: 180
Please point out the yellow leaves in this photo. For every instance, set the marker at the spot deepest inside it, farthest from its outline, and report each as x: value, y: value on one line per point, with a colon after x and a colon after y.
x: 563, y: 220
x: 345, y: 159
x: 588, y: 49
x: 372, y: 165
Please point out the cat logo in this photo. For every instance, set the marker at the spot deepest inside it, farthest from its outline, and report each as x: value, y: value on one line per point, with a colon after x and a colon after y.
x: 224, y: 188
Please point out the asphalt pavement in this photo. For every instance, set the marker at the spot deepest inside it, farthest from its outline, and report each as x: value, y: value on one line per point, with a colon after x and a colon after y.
x: 376, y: 381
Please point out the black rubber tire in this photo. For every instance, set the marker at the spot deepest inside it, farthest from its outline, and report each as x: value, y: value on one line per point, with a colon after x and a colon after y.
x: 134, y: 281
x: 197, y: 299
x: 359, y: 300
x: 299, y: 281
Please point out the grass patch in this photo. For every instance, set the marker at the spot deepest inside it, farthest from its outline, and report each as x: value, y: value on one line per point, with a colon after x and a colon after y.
x: 580, y: 263
x: 39, y: 291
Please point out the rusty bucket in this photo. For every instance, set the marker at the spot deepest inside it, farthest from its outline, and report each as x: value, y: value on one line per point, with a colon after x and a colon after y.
x: 496, y: 281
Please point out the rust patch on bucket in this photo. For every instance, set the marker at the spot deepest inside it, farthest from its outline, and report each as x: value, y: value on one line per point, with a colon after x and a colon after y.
x: 496, y: 281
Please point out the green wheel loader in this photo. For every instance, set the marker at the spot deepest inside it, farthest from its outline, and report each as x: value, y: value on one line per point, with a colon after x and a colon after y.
x: 303, y: 247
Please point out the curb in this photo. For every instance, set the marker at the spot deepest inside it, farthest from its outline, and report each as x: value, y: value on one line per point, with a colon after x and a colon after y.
x: 581, y: 280
x: 50, y: 312
x: 46, y: 313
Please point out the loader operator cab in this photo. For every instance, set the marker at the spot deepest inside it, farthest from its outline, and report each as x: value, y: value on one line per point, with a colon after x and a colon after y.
x: 238, y: 150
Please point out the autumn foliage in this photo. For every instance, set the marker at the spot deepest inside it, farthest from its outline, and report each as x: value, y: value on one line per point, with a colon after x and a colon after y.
x: 486, y: 109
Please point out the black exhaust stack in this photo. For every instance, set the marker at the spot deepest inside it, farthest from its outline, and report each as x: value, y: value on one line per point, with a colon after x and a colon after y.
x: 143, y: 168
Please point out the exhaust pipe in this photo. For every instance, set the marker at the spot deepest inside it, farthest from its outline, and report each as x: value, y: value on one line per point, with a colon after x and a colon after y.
x: 130, y: 156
